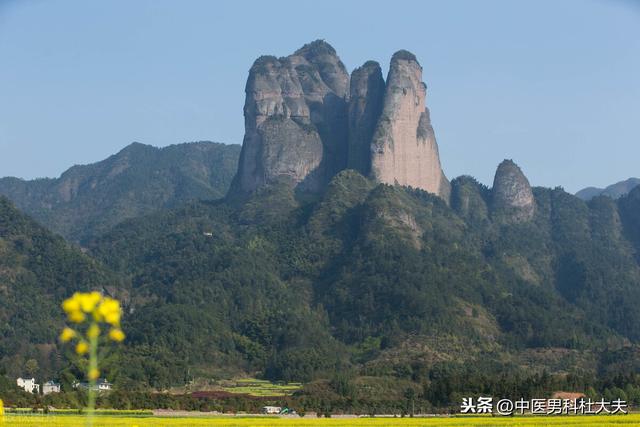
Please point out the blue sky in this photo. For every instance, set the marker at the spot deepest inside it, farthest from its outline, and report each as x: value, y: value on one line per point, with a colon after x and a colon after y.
x: 555, y: 85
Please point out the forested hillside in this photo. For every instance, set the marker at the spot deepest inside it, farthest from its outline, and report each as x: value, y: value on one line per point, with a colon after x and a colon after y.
x: 88, y: 200
x: 379, y: 280
x: 37, y: 271
x: 308, y: 270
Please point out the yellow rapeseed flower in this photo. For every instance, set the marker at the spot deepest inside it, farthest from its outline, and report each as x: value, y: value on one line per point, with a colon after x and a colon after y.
x: 108, y: 305
x: 71, y: 304
x: 96, y: 310
x: 112, y: 319
x: 110, y: 310
x: 94, y: 331
x: 82, y: 348
x: 116, y: 334
x: 88, y: 301
x: 76, y: 316
x: 67, y: 334
x: 94, y: 373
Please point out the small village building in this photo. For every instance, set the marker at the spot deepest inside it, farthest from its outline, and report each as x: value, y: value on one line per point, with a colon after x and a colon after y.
x: 101, y: 385
x: 28, y: 384
x: 51, y: 387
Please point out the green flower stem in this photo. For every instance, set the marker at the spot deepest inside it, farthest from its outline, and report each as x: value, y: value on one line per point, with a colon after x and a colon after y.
x: 93, y: 365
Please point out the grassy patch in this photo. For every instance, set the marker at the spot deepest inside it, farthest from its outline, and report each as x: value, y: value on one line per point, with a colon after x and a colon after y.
x: 261, y: 388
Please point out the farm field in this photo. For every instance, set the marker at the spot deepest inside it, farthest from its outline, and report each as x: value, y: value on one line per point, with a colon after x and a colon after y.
x: 260, y: 388
x: 119, y: 421
x: 243, y: 386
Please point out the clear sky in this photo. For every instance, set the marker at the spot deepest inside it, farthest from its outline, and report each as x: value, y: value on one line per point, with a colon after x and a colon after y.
x: 555, y: 85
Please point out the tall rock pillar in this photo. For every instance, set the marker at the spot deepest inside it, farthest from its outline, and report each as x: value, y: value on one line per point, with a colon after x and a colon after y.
x: 512, y: 197
x: 404, y: 150
x: 296, y: 123
x: 365, y: 107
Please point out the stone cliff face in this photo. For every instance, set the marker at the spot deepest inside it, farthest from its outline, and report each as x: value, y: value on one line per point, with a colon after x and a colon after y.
x: 404, y: 147
x: 295, y: 119
x: 306, y: 120
x: 512, y: 198
x: 365, y: 107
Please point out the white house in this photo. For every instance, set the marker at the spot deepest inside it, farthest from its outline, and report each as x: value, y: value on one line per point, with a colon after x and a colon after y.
x: 50, y: 387
x: 28, y: 384
x: 101, y: 385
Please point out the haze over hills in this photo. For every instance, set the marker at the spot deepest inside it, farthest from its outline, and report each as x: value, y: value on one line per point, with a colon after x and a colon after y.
x: 614, y: 190
x: 87, y: 200
x: 341, y: 248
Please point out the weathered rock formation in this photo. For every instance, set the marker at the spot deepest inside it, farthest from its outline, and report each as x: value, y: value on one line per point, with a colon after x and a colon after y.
x: 512, y: 198
x: 365, y: 107
x: 295, y: 119
x: 306, y: 120
x: 404, y: 147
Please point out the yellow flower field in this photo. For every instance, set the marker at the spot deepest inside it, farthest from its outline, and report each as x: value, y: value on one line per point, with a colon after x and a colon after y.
x: 117, y: 421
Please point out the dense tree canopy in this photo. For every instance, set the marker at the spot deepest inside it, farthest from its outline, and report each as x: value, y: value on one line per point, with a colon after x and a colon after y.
x: 364, y: 280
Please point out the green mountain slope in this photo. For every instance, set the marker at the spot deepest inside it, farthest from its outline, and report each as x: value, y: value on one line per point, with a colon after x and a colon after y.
x: 90, y: 199
x: 37, y: 271
x: 379, y: 280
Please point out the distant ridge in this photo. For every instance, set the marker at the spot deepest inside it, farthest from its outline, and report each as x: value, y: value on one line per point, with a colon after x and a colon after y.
x: 88, y: 200
x: 614, y: 191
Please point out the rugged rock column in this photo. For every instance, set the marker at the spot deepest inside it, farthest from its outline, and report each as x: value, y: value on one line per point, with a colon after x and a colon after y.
x: 404, y: 147
x: 296, y: 124
x: 365, y: 107
x: 512, y: 197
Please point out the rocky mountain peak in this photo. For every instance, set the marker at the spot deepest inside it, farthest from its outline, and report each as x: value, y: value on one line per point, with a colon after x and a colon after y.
x: 316, y: 48
x: 365, y: 107
x: 404, y: 147
x: 512, y: 197
x: 306, y: 120
x: 332, y: 71
x: 295, y: 120
x: 404, y: 55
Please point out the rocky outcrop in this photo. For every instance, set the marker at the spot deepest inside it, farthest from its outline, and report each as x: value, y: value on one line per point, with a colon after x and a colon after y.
x: 512, y: 198
x: 306, y: 120
x: 296, y: 124
x: 404, y: 147
x: 365, y: 107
